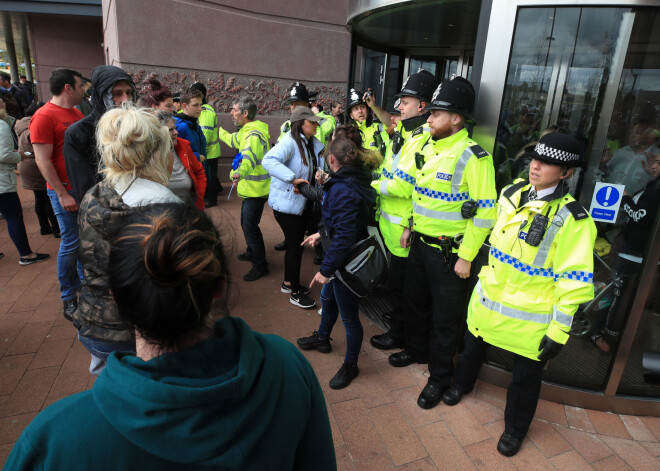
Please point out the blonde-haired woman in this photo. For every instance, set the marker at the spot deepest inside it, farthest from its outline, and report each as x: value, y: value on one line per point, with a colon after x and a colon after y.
x: 136, y: 161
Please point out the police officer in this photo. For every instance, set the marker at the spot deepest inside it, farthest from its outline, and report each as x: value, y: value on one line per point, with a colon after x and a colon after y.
x: 298, y: 96
x: 374, y: 136
x: 539, y: 270
x: 327, y: 124
x: 395, y: 209
x: 452, y: 184
x: 208, y: 121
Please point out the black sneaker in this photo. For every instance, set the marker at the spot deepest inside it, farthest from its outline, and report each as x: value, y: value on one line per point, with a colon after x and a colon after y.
x: 344, y: 376
x: 255, y: 274
x: 244, y: 257
x: 287, y: 289
x: 39, y: 257
x: 69, y: 308
x: 281, y: 246
x: 300, y: 299
x: 313, y: 342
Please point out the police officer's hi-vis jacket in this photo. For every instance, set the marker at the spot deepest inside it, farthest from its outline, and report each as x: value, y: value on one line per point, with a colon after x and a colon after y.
x: 374, y: 137
x: 527, y: 292
x: 208, y: 121
x: 252, y: 142
x: 439, y: 178
x: 326, y: 127
x: 394, y: 211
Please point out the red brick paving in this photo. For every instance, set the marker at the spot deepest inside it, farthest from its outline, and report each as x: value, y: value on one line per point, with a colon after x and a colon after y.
x: 376, y: 423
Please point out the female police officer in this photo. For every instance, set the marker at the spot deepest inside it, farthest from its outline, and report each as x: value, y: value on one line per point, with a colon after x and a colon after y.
x: 539, y: 270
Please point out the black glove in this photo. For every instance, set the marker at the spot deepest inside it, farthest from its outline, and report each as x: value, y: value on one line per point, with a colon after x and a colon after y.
x: 549, y: 349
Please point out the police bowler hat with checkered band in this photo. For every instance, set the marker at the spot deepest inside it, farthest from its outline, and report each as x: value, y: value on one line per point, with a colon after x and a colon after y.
x: 455, y: 95
x: 559, y: 149
x: 299, y: 92
x: 355, y: 97
x: 419, y: 85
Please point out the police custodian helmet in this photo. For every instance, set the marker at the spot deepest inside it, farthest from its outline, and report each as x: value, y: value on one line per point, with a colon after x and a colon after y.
x: 455, y: 95
x: 355, y: 98
x: 299, y: 92
x: 419, y: 85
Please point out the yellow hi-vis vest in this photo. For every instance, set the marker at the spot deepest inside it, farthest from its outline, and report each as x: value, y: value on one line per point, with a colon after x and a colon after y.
x: 394, y: 212
x: 441, y: 178
x: 252, y: 142
x: 326, y: 127
x: 374, y: 137
x: 526, y: 292
x: 208, y: 121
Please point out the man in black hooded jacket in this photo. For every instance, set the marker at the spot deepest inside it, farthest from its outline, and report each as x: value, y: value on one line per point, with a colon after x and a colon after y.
x: 111, y: 87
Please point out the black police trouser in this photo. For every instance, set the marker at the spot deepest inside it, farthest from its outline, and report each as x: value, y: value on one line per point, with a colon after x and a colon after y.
x: 395, y: 283
x: 434, y: 306
x: 522, y: 396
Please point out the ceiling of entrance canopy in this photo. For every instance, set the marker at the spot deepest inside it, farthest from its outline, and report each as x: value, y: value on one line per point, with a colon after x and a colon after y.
x: 409, y: 25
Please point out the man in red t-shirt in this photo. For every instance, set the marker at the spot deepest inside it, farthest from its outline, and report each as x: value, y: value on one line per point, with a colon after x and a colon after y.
x: 47, y: 135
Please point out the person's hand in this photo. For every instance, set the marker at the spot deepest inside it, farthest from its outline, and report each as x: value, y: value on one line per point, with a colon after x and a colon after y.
x: 462, y: 268
x: 313, y: 240
x: 320, y: 279
x: 369, y: 98
x: 548, y: 348
x: 68, y: 202
x: 405, y: 238
x: 202, y: 158
x: 235, y: 177
x: 296, y: 183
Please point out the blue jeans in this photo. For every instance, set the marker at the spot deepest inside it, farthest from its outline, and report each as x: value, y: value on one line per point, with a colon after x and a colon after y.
x: 337, y: 299
x: 11, y: 209
x: 100, y: 351
x: 69, y: 268
x: 251, y: 211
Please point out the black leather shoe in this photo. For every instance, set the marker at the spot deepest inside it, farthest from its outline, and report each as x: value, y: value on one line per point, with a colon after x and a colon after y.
x: 401, y: 359
x: 429, y: 397
x: 452, y: 396
x: 313, y: 342
x: 255, y: 274
x: 69, y: 308
x: 344, y: 376
x: 281, y: 246
x: 508, y: 445
x: 385, y: 342
x: 244, y: 257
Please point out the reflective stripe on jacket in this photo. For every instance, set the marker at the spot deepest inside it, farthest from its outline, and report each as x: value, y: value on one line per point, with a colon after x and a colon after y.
x: 252, y: 142
x: 527, y: 292
x: 208, y: 121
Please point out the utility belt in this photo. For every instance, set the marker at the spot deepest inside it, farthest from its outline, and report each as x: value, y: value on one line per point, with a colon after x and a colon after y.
x: 444, y: 244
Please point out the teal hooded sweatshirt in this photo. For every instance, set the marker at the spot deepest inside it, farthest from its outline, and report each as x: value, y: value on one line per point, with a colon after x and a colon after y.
x: 241, y: 400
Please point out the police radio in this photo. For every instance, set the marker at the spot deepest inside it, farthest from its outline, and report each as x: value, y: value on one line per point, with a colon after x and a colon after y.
x: 419, y: 160
x: 537, y: 229
x: 468, y: 209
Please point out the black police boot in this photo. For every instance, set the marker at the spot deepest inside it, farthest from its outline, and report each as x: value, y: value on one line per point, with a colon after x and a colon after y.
x: 313, y: 342
x: 401, y: 359
x: 429, y: 397
x: 344, y: 376
x: 385, y: 342
x: 508, y: 445
x: 452, y: 396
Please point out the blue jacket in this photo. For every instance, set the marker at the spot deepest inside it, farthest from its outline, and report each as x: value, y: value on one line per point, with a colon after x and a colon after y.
x: 191, y: 131
x: 239, y: 401
x: 284, y: 164
x: 347, y: 207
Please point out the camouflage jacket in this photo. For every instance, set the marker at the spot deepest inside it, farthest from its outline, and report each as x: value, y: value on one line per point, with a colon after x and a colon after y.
x: 101, y: 217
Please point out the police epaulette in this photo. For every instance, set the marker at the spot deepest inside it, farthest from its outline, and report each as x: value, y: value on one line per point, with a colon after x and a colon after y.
x: 417, y: 131
x: 577, y: 210
x: 511, y: 189
x: 478, y: 151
